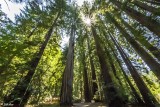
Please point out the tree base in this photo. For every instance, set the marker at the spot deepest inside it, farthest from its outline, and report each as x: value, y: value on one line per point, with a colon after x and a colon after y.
x: 117, y: 102
x: 66, y: 104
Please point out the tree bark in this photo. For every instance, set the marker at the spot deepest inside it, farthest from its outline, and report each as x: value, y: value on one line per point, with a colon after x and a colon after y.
x: 67, y: 79
x: 136, y: 95
x: 149, y: 99
x: 152, y: 25
x: 144, y: 6
x: 152, y: 2
x: 154, y: 50
x: 94, y: 84
x: 87, y: 96
x: 150, y: 61
x: 111, y: 93
x: 113, y: 66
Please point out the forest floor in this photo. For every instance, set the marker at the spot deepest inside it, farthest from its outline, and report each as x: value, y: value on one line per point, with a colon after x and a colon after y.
x: 97, y: 104
x: 89, y: 105
x: 74, y: 105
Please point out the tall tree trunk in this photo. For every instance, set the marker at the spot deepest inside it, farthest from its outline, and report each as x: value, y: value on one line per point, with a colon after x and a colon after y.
x: 113, y: 66
x: 157, y: 1
x: 136, y: 95
x: 87, y: 96
x: 152, y: 25
x: 67, y: 79
x: 94, y: 84
x: 145, y: 92
x: 151, y: 2
x: 22, y: 89
x: 81, y: 90
x: 150, y: 61
x: 111, y: 93
x: 146, y: 7
x: 154, y: 50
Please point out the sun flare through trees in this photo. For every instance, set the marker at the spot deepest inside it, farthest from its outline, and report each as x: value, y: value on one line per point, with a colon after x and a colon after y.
x: 80, y: 53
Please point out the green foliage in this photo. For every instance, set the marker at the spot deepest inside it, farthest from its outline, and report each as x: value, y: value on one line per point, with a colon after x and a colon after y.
x: 21, y: 40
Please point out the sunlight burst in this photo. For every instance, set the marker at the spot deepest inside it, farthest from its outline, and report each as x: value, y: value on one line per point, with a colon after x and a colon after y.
x: 86, y: 20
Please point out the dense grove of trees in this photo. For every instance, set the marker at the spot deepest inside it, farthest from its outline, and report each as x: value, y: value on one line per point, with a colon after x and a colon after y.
x: 113, y: 53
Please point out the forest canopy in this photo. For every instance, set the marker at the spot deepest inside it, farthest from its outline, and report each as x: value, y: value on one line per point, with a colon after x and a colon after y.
x: 112, y: 54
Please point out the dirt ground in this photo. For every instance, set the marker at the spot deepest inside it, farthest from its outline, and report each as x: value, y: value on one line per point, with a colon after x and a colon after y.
x: 89, y: 105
